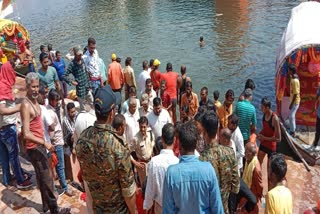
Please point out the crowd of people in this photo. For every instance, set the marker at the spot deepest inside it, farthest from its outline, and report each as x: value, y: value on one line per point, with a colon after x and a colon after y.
x: 187, y: 154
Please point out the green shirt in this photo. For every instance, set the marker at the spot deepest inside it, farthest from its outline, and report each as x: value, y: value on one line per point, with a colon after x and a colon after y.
x: 48, y: 77
x: 247, y: 117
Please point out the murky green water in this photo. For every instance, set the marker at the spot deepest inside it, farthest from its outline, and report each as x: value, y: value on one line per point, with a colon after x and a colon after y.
x: 241, y: 36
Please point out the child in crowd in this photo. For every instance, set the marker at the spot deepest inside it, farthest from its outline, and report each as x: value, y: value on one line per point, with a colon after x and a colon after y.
x: 216, y: 99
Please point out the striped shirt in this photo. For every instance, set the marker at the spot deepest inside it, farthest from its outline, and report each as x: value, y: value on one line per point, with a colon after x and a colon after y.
x: 247, y: 117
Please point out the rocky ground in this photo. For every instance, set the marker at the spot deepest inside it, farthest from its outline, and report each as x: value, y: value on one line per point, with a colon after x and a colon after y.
x: 304, y: 185
x: 29, y: 201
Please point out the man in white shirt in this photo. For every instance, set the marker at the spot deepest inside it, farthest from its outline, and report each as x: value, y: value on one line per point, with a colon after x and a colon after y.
x: 57, y: 140
x: 84, y: 119
x: 145, y: 108
x: 125, y: 105
x: 47, y: 121
x: 158, y: 117
x: 143, y: 76
x: 157, y: 169
x: 150, y: 92
x: 236, y: 139
x: 91, y: 61
x: 132, y: 117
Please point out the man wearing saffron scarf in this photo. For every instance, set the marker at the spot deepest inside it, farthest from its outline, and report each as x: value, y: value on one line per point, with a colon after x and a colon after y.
x: 8, y: 131
x: 252, y: 173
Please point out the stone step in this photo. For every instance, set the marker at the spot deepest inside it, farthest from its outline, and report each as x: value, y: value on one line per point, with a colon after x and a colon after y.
x: 17, y: 201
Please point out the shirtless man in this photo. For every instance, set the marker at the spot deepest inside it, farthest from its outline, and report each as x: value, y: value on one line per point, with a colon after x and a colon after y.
x: 36, y: 146
x: 129, y: 78
x: 29, y: 57
x: 201, y: 42
x: 181, y: 82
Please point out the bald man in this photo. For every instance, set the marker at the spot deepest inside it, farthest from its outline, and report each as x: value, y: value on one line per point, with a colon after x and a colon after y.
x: 252, y: 175
x: 225, y: 138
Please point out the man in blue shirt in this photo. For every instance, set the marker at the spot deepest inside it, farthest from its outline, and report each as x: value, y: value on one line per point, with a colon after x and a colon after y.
x: 190, y: 186
x: 48, y: 75
x: 60, y: 66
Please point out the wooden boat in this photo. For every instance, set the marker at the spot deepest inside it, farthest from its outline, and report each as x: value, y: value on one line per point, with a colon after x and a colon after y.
x: 13, y: 36
x: 300, y: 45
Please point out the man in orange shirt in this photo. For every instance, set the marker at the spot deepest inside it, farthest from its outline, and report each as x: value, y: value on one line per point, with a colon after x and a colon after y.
x: 115, y: 75
x: 225, y: 110
x: 155, y: 75
x: 189, y: 103
x: 171, y: 79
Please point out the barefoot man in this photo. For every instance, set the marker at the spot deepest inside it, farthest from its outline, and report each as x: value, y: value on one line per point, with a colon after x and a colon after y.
x: 36, y: 146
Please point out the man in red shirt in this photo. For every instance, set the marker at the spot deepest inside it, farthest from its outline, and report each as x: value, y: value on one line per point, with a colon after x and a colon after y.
x: 171, y: 79
x: 155, y: 75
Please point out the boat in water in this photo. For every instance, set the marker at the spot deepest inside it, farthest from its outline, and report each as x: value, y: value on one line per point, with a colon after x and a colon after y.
x: 13, y: 36
x: 300, y: 45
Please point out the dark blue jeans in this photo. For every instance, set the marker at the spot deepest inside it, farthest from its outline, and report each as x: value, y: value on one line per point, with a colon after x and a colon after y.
x: 60, y: 167
x: 31, y: 67
x: 9, y: 152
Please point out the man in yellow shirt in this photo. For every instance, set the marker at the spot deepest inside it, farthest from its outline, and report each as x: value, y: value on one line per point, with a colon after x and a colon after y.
x: 279, y: 198
x: 294, y: 97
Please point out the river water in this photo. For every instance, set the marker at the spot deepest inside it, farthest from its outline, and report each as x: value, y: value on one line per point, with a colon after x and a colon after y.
x: 241, y: 37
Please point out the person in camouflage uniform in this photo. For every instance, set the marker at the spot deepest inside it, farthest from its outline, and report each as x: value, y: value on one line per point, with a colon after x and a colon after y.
x: 105, y: 160
x: 222, y: 158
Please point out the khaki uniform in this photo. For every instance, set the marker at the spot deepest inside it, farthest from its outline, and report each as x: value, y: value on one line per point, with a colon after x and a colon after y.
x: 143, y: 149
x: 105, y: 162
